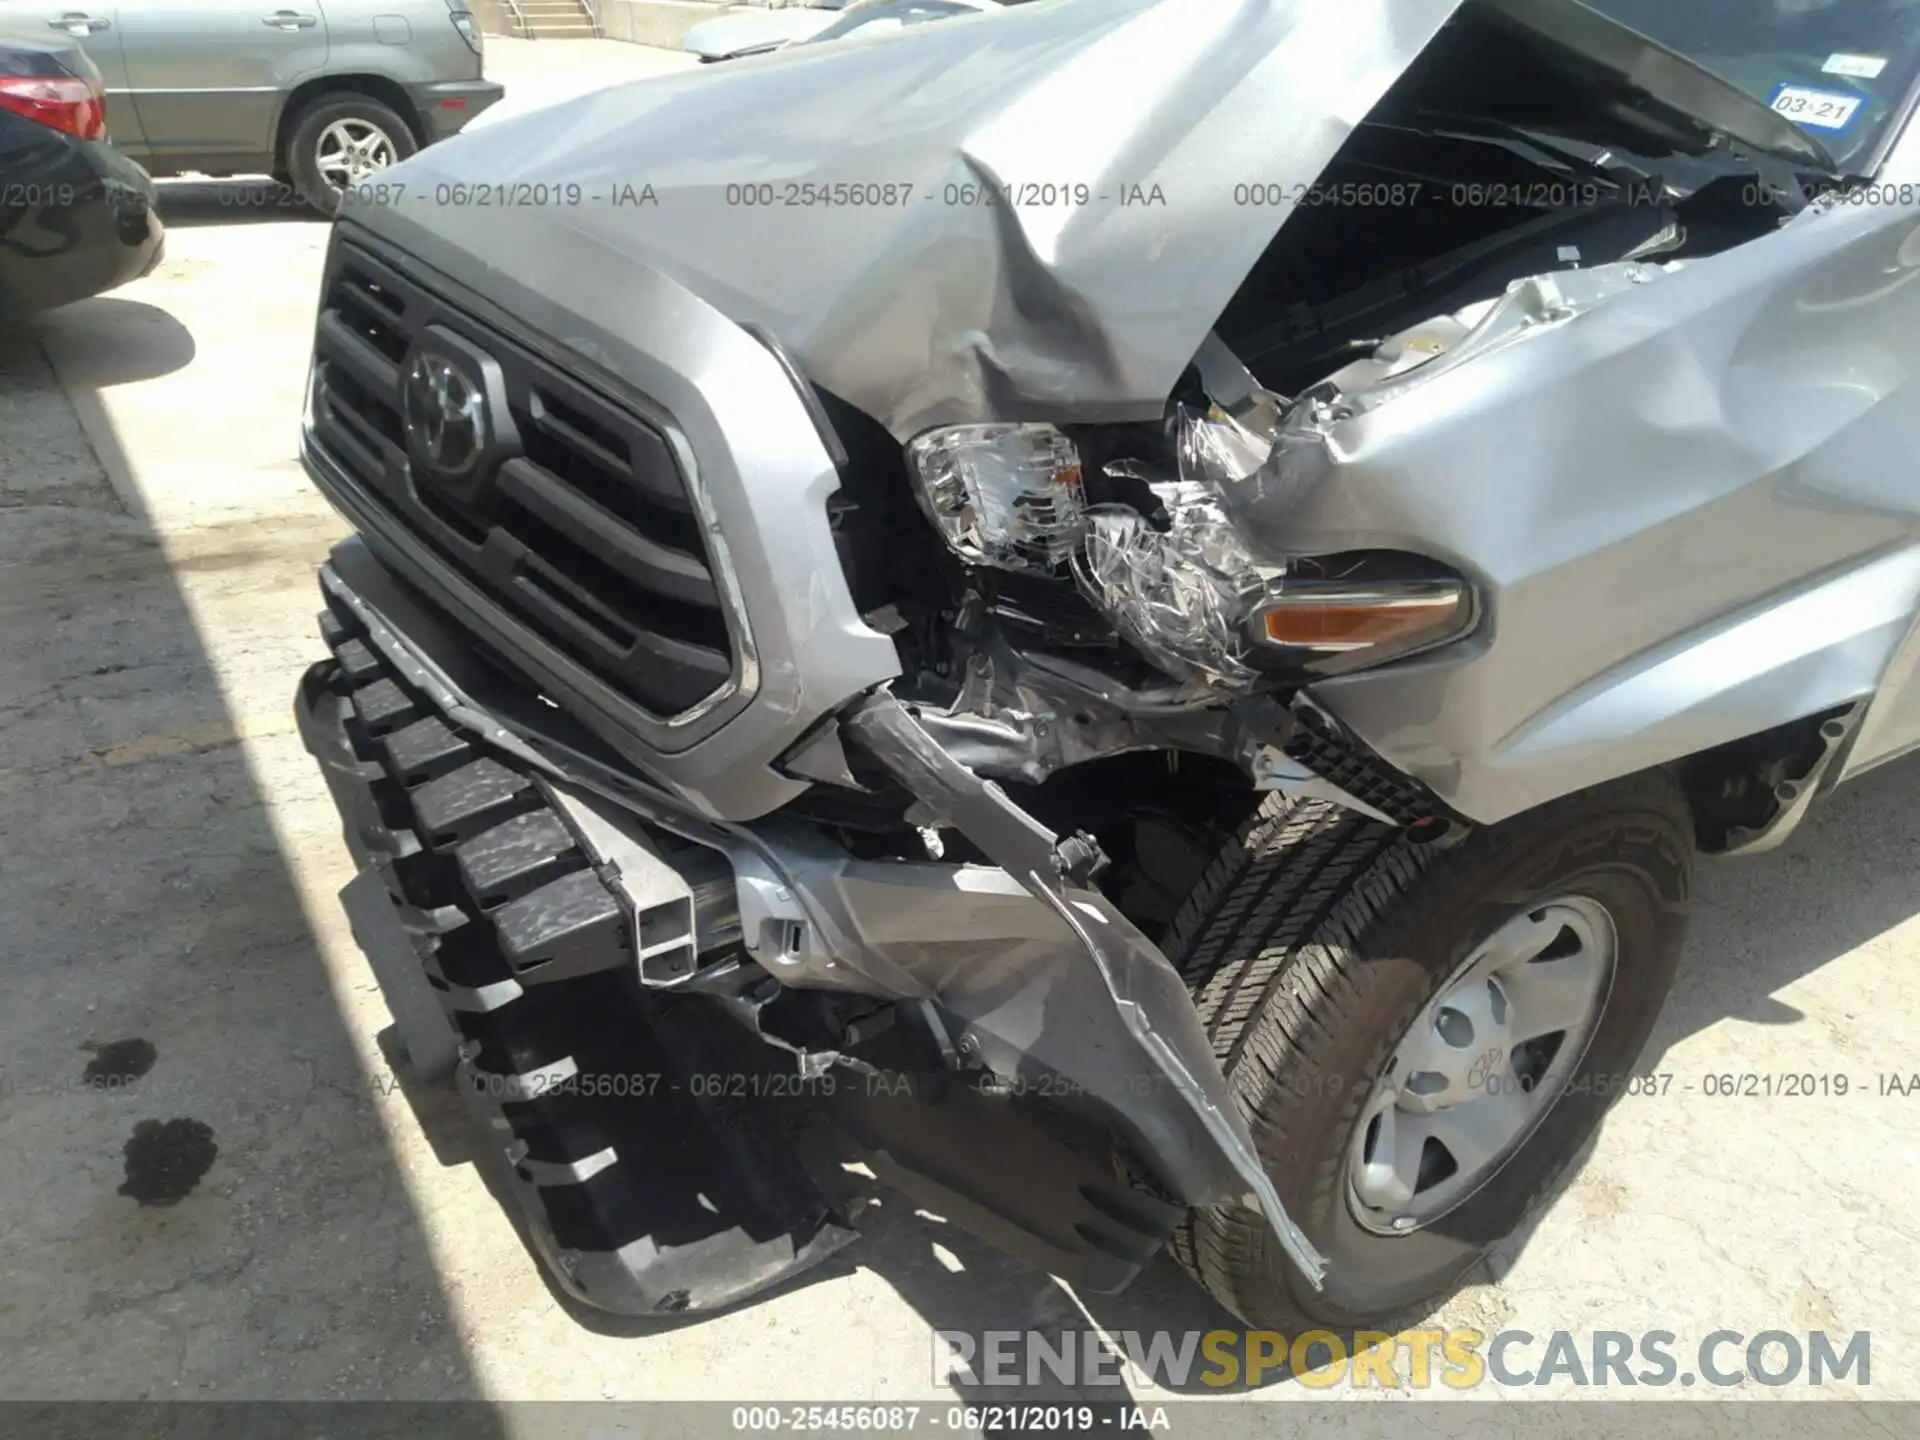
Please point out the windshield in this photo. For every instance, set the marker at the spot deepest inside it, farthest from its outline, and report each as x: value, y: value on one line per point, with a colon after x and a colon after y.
x: 1839, y: 69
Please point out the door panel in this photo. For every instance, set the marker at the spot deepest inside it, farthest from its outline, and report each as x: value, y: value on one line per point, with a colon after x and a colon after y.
x: 208, y: 75
x: 404, y: 42
x: 97, y: 28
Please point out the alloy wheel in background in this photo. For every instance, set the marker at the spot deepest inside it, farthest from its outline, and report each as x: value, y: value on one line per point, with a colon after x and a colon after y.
x: 351, y: 150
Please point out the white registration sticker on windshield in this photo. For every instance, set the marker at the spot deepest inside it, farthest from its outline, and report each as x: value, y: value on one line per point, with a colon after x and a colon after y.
x: 1864, y: 67
x: 1820, y: 109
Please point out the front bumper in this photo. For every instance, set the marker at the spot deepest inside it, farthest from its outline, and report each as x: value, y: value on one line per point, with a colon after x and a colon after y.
x: 533, y: 882
x: 507, y: 963
x: 96, y: 230
x: 445, y: 106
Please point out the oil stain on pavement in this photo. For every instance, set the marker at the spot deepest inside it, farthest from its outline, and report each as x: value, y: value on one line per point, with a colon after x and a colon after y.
x: 118, y: 1062
x: 166, y: 1159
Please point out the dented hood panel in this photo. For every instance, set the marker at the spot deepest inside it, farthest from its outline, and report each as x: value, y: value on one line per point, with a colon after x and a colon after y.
x: 1121, y: 126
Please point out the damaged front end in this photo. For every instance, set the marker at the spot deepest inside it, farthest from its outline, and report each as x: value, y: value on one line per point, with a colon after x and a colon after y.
x: 902, y: 885
x: 667, y: 1020
x: 928, y: 957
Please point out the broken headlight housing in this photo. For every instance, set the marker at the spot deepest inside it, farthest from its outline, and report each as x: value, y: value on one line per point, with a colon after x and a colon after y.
x: 1181, y: 583
x: 1180, y: 595
x: 1002, y: 495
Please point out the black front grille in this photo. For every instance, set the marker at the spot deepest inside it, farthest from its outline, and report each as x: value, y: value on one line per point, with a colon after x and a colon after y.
x: 583, y: 529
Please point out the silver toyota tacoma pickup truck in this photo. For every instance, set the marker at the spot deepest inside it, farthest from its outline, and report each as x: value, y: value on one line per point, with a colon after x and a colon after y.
x: 1148, y: 646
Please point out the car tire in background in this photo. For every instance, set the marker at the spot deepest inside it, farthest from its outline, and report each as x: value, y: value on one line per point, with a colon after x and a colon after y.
x: 340, y: 137
x: 1364, y: 993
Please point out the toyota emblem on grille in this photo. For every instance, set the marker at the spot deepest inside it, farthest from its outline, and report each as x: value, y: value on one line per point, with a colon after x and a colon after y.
x: 446, y: 416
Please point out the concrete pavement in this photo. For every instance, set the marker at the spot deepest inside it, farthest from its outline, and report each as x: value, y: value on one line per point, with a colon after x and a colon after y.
x: 290, y: 1226
x: 541, y: 72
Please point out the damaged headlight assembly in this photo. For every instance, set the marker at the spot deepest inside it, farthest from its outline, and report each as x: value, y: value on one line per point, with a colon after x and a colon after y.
x: 1009, y: 496
x: 1167, y: 566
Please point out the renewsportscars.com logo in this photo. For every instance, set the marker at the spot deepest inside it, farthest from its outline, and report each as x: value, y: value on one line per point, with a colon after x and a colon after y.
x: 1458, y: 1359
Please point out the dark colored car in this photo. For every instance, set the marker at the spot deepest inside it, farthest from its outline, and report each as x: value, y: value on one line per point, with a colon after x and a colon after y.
x: 76, y: 216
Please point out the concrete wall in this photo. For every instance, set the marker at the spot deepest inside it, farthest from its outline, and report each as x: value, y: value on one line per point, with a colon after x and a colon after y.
x: 654, y: 22
x: 493, y: 15
x: 642, y: 22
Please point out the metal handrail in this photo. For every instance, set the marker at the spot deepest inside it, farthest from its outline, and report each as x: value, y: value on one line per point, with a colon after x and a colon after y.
x: 592, y: 18
x: 519, y: 20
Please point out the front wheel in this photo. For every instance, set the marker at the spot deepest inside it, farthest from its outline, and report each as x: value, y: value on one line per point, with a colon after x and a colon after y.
x: 340, y: 141
x: 1422, y: 1040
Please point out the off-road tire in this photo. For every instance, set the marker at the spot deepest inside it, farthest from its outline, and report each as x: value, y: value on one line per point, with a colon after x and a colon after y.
x: 300, y: 162
x: 1312, y: 943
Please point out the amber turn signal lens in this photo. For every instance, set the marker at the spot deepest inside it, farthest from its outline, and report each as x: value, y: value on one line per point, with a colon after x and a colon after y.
x: 1315, y: 619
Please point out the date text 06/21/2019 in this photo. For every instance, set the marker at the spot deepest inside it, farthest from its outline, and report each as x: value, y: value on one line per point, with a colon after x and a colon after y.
x: 992, y: 1419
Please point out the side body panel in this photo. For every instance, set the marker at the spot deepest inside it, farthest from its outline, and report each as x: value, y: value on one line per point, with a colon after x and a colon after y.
x: 1891, y: 725
x: 409, y: 41
x: 208, y: 76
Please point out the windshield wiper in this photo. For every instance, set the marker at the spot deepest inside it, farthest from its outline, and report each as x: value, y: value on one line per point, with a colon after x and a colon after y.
x: 1549, y: 151
x: 1787, y: 178
x: 1640, y: 78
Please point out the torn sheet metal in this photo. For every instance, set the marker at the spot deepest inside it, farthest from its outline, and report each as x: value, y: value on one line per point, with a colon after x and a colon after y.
x: 1181, y: 591
x: 1028, y: 215
x: 1159, y: 1045
x: 1262, y: 466
x: 946, y: 227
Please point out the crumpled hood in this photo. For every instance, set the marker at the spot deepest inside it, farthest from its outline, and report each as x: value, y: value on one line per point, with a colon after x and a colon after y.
x: 1120, y: 129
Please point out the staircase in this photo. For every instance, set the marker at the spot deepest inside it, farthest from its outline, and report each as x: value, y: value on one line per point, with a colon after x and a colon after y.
x: 553, y: 19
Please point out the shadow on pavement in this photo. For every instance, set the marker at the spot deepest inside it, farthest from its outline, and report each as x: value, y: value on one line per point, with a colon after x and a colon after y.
x: 197, y: 1197
x: 126, y: 341
x: 1765, y: 921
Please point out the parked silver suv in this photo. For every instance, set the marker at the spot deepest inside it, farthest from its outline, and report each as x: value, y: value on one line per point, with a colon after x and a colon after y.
x: 319, y: 96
